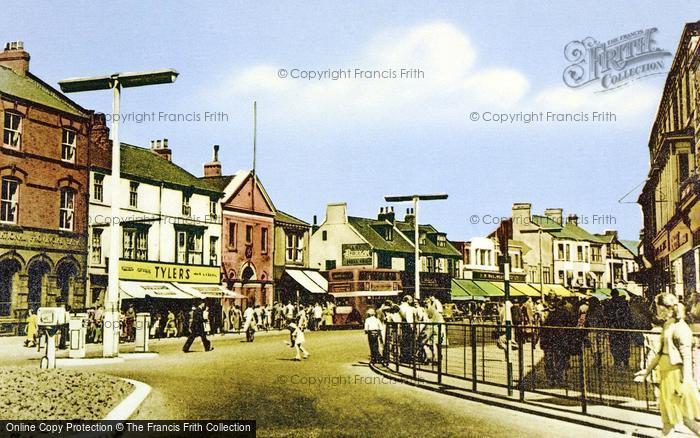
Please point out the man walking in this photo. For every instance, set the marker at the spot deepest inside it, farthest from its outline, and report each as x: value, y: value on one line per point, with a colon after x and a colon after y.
x: 197, y: 329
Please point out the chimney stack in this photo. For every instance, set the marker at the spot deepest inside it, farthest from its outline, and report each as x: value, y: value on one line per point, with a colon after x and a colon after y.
x: 160, y: 147
x: 410, y: 216
x: 555, y: 214
x: 15, y: 58
x: 213, y: 168
x: 573, y: 219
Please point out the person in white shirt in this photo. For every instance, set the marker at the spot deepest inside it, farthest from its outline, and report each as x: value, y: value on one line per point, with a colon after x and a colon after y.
x: 298, y: 340
x: 407, y: 312
x: 249, y: 325
x: 373, y: 329
x: 318, y: 315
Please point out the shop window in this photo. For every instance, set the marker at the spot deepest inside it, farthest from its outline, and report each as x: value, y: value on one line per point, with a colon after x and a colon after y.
x: 133, y: 194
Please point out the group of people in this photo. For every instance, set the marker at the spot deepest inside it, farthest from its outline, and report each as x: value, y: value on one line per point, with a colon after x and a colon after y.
x: 423, y: 343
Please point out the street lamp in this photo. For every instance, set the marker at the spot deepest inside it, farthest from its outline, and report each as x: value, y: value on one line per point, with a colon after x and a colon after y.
x: 415, y: 198
x: 115, y: 82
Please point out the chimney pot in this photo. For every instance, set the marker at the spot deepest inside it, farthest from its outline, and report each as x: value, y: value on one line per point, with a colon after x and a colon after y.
x: 15, y: 58
x: 216, y: 153
x: 165, y: 143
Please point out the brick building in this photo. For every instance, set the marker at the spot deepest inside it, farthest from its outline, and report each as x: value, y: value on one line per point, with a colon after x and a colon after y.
x: 44, y: 159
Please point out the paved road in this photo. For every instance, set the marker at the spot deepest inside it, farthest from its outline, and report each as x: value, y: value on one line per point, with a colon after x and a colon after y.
x: 333, y: 393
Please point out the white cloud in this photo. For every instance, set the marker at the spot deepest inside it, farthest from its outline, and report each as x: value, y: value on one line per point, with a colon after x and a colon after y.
x: 454, y: 85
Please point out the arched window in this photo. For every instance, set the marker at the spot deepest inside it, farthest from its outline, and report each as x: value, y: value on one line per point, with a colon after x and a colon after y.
x: 67, y: 211
x: 9, y: 200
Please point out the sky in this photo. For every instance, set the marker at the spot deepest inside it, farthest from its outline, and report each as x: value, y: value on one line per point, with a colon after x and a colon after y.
x: 357, y: 138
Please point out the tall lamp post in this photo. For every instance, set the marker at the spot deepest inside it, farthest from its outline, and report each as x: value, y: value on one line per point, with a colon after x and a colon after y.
x: 415, y: 199
x: 115, y: 82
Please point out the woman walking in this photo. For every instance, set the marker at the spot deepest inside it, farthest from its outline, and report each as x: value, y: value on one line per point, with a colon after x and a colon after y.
x: 678, y: 397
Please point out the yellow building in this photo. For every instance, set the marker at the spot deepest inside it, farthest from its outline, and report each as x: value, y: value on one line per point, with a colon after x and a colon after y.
x: 670, y: 204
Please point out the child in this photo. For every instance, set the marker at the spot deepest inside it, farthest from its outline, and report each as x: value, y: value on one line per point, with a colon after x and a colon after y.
x: 297, y: 341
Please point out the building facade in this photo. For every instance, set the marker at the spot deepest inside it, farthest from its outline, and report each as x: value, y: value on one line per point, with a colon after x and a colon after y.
x: 294, y: 280
x: 169, y: 223
x: 247, y: 221
x: 44, y: 159
x: 670, y: 198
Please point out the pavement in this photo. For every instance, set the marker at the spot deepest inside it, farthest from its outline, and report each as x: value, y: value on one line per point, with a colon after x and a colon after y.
x: 333, y: 393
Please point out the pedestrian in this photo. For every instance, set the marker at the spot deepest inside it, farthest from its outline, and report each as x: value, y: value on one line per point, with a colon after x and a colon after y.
x: 130, y: 318
x: 170, y: 327
x: 155, y: 326
x: 197, y: 329
x: 30, y: 341
x: 619, y: 318
x: 373, y: 330
x: 99, y: 315
x: 249, y: 326
x: 298, y: 340
x: 207, y: 323
x: 678, y: 395
x: 407, y: 311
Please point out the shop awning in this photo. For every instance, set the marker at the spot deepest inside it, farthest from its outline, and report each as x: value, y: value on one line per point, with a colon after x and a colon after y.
x: 367, y: 293
x: 152, y: 289
x: 470, y: 288
x: 207, y: 290
x: 490, y: 289
x: 556, y: 289
x: 309, y: 280
x: 525, y: 289
x: 511, y: 290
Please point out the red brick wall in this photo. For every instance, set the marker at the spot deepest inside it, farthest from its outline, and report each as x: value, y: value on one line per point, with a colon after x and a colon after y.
x: 39, y: 167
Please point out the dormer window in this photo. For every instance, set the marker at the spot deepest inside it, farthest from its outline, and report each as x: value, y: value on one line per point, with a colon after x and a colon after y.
x: 441, y: 241
x: 389, y: 233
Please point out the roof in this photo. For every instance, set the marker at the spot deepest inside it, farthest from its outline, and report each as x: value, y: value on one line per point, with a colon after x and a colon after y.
x: 367, y: 228
x: 545, y: 223
x: 525, y: 247
x: 281, y: 216
x: 219, y: 182
x: 230, y: 185
x: 141, y: 163
x: 632, y: 245
x: 33, y: 89
x: 407, y: 229
x: 574, y: 232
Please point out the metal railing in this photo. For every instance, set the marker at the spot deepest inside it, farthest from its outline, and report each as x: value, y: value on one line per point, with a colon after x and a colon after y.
x: 582, y: 365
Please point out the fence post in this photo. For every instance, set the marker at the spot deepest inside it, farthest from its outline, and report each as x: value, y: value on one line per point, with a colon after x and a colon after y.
x: 582, y: 376
x: 521, y: 368
x: 439, y: 351
x: 412, y: 350
x: 472, y: 341
x: 397, y: 339
x: 464, y: 349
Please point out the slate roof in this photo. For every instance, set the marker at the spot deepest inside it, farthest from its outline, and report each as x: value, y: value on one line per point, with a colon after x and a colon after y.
x: 632, y: 245
x: 545, y: 223
x: 428, y: 247
x: 142, y: 164
x: 33, y: 89
x: 368, y: 230
x: 281, y: 216
x: 574, y: 232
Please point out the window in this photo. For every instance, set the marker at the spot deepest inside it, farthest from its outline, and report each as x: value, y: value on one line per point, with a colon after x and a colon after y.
x: 431, y: 264
x: 189, y: 247
x: 263, y: 240
x: 248, y: 234
x: 133, y: 194
x: 186, y: 210
x: 96, y: 246
x: 98, y: 184
x: 467, y: 256
x: 135, y: 244
x: 66, y: 215
x: 12, y: 134
x: 330, y: 264
x: 9, y: 202
x: 545, y: 275
x: 232, y: 235
x: 213, y: 245
x: 212, y: 209
x: 595, y: 254
x: 560, y: 251
x: 567, y: 252
x: 324, y: 235
x: 441, y: 241
x: 579, y: 253
x: 68, y: 145
x: 683, y: 167
x: 389, y: 234
x: 295, y: 251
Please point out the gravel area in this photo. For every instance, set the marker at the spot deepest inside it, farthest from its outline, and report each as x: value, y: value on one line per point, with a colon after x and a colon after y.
x: 58, y: 394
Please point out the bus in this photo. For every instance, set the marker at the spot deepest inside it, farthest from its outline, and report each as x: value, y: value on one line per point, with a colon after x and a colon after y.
x: 357, y: 289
